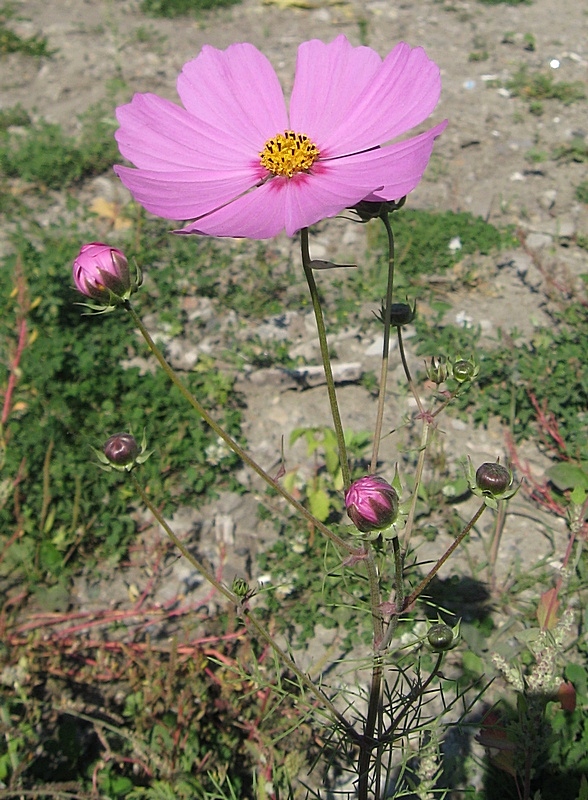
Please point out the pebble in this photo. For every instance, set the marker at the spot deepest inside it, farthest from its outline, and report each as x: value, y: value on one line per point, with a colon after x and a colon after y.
x: 537, y: 241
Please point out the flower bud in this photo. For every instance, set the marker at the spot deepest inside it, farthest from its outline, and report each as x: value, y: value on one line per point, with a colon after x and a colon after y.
x: 371, y: 503
x: 368, y: 209
x: 440, y: 637
x: 437, y: 370
x: 241, y: 588
x: 493, y: 478
x: 401, y: 314
x: 101, y: 273
x: 464, y: 370
x: 121, y: 450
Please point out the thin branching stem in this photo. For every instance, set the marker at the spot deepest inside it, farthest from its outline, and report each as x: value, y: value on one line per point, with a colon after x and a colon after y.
x: 457, y: 541
x: 385, y: 217
x: 324, y: 346
x: 230, y: 442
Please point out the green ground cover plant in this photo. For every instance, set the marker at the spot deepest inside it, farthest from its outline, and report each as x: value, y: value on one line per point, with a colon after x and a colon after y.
x: 179, y: 8
x: 44, y: 154
x: 11, y: 42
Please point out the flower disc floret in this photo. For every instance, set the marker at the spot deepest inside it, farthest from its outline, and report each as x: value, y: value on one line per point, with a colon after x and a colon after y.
x: 288, y: 153
x: 236, y: 161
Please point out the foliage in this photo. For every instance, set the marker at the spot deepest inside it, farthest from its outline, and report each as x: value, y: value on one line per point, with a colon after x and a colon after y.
x: 547, y: 373
x: 10, y: 42
x: 179, y: 8
x: 188, y: 723
x: 308, y: 586
x: 45, y: 155
x: 74, y: 393
x: 540, y: 86
x: 582, y: 192
x: 14, y: 116
x: 575, y: 151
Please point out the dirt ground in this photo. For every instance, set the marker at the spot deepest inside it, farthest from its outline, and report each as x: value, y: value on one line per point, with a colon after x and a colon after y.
x: 479, y: 165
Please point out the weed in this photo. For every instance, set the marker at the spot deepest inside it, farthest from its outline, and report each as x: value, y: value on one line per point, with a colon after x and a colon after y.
x: 11, y: 42
x: 542, y: 86
x: 70, y: 397
x: 46, y: 156
x: 178, y: 8
x: 576, y: 151
x: 14, y: 117
x: 582, y: 192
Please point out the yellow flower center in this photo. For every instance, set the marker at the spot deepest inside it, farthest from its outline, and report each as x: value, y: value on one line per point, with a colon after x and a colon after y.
x: 289, y: 152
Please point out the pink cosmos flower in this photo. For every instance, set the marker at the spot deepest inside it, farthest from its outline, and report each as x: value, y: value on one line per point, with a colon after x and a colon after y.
x: 239, y: 164
x: 101, y: 272
x: 371, y: 503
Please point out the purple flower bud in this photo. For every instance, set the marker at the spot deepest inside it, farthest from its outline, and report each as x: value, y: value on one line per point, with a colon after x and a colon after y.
x: 121, y: 449
x: 101, y: 272
x: 371, y: 503
x: 493, y: 478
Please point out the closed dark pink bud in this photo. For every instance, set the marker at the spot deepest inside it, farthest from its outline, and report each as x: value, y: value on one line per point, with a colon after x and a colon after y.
x: 493, y: 478
x: 101, y: 272
x: 121, y: 449
x: 371, y: 503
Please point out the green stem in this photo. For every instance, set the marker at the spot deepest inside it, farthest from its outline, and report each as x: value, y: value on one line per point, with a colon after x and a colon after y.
x: 425, y: 433
x: 386, y: 347
x: 196, y: 563
x: 375, y: 699
x: 427, y: 580
x: 411, y: 383
x: 398, y: 594
x: 495, y: 546
x: 322, y: 336
x: 229, y: 441
x: 410, y: 700
x: 247, y: 613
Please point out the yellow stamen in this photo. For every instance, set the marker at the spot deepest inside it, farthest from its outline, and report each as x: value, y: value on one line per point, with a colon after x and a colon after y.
x: 289, y: 152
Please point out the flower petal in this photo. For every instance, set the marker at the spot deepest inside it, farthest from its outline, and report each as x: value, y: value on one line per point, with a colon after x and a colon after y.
x: 353, y: 103
x: 156, y: 134
x: 185, y: 194
x: 398, y: 167
x: 236, y: 92
x: 259, y: 214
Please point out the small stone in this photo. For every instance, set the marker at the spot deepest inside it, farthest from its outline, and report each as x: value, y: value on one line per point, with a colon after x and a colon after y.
x: 547, y: 199
x: 537, y: 241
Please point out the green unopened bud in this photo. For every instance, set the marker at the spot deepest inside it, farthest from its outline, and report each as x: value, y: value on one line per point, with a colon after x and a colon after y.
x: 464, y: 370
x: 442, y: 637
x: 437, y: 370
x: 241, y: 588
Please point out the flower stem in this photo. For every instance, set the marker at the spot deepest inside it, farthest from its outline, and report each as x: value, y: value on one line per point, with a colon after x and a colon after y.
x: 229, y: 441
x: 196, y: 563
x: 457, y: 541
x: 385, y: 217
x: 411, y: 383
x: 322, y: 336
x: 375, y: 699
